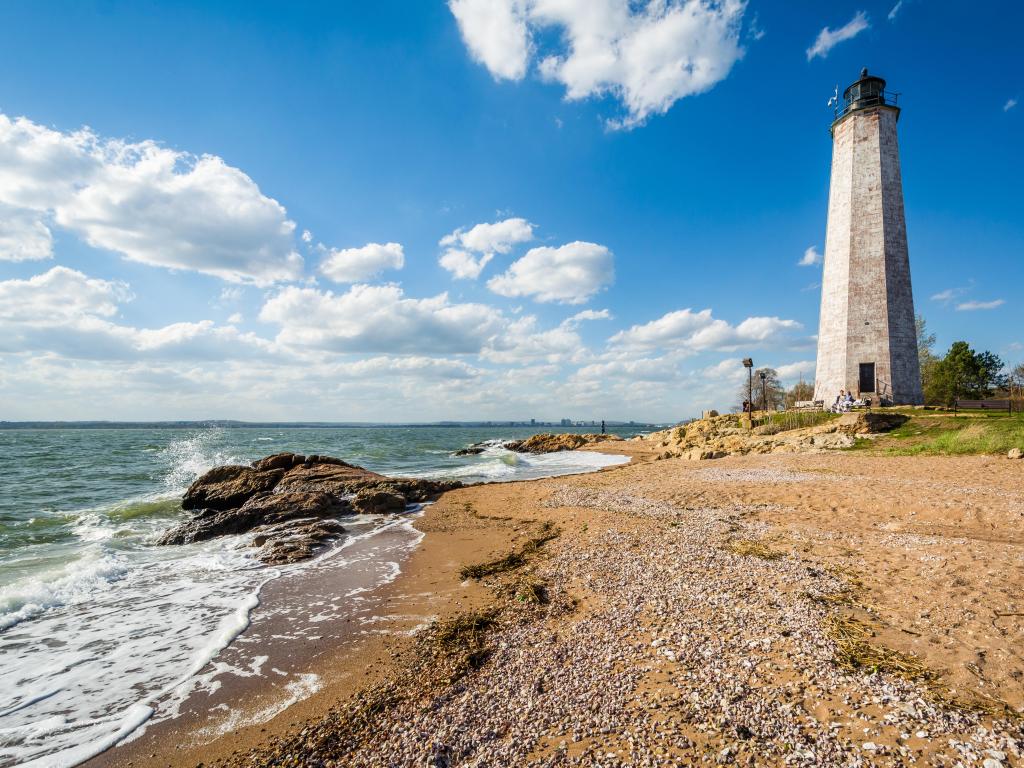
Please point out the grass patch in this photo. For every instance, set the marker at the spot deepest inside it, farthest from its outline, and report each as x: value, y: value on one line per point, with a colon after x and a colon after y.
x: 513, y: 560
x: 787, y: 420
x: 751, y: 548
x: 855, y: 654
x: 949, y: 435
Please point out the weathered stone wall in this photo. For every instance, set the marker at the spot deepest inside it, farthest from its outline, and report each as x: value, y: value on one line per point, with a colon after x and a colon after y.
x: 867, y: 309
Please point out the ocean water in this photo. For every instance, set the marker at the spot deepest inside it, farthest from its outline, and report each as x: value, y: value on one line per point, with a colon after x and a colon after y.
x: 97, y: 624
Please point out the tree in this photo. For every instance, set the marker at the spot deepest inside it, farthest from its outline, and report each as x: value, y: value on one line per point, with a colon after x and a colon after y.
x: 771, y: 393
x: 801, y: 391
x: 964, y: 373
x: 925, y: 352
x: 1017, y: 381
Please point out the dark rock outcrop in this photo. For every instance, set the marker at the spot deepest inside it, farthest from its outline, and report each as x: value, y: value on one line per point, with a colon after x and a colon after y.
x: 370, y: 501
x: 870, y: 422
x: 229, y: 487
x: 291, y: 502
x: 473, y: 450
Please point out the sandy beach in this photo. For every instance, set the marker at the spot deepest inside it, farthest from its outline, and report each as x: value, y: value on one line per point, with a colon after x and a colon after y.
x: 806, y: 609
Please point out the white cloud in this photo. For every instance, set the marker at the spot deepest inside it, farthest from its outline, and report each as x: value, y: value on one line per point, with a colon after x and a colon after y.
x: 811, y: 258
x: 590, y: 314
x: 972, y: 306
x: 1010, y: 104
x: 495, y: 33
x: 695, y: 331
x: 231, y: 294
x: 946, y: 296
x: 23, y: 235
x: 829, y: 38
x: 793, y: 371
x: 570, y: 274
x: 483, y: 240
x: 462, y: 264
x: 378, y: 318
x: 59, y: 294
x: 63, y: 311
x: 646, y: 55
x: 415, y: 366
x: 895, y: 10
x: 353, y: 265
x: 498, y: 237
x: 660, y: 369
x: 524, y: 342
x: 150, y: 204
x: 235, y: 318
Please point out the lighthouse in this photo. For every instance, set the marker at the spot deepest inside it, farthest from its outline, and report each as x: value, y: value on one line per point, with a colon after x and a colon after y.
x: 867, y: 338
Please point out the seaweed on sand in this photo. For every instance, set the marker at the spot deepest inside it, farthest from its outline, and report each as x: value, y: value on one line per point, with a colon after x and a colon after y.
x: 855, y: 654
x: 515, y: 559
x: 750, y: 548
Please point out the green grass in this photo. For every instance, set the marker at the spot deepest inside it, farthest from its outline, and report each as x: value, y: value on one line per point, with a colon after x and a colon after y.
x: 783, y: 422
x: 949, y: 435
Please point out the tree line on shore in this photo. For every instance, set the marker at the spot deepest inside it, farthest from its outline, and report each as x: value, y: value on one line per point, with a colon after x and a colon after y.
x: 964, y: 373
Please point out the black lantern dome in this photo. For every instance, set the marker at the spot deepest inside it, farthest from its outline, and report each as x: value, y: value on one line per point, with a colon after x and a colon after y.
x: 868, y: 91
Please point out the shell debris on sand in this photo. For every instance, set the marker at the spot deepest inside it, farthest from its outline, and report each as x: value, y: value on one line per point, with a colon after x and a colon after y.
x: 681, y: 652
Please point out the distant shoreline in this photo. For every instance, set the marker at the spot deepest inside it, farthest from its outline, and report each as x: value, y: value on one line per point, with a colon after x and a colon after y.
x: 12, y: 425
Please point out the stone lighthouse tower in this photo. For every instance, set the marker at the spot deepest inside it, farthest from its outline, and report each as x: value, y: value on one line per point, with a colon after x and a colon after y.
x: 867, y: 339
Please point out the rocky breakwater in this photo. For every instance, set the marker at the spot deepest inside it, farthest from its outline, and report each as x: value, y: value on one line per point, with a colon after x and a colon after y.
x: 292, y: 503
x: 719, y: 436
x: 548, y: 443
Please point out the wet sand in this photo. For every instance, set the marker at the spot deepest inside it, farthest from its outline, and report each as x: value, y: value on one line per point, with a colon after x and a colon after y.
x: 925, y: 552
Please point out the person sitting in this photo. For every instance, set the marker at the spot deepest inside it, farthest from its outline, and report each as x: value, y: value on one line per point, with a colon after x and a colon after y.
x: 843, y: 402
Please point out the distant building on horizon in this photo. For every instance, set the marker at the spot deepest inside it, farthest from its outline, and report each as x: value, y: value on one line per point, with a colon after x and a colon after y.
x: 867, y: 337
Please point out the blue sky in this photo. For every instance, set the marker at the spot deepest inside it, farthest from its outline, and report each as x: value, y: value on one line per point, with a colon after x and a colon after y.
x: 642, y: 225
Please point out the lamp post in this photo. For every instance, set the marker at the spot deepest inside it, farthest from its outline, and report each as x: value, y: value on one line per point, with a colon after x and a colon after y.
x: 764, y: 392
x: 748, y: 363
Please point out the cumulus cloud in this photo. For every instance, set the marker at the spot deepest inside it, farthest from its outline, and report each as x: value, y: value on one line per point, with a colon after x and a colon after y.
x: 524, y: 342
x: 791, y: 371
x: 150, y: 204
x: 590, y: 314
x: 973, y: 306
x: 469, y: 251
x: 496, y: 34
x: 23, y: 235
x: 66, y: 312
x: 829, y: 38
x: 464, y: 265
x: 659, y: 369
x: 646, y: 55
x: 570, y: 274
x: 379, y: 318
x: 811, y: 258
x: 353, y: 265
x: 59, y: 294
x: 696, y: 331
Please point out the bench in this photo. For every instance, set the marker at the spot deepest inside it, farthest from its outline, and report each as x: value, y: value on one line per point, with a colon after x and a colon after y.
x: 809, y: 405
x: 983, y: 405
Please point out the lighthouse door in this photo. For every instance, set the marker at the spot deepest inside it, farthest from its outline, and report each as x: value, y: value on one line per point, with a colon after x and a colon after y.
x: 867, y: 377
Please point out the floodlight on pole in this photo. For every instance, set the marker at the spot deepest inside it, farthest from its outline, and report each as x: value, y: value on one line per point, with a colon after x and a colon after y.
x: 764, y: 391
x: 748, y: 363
